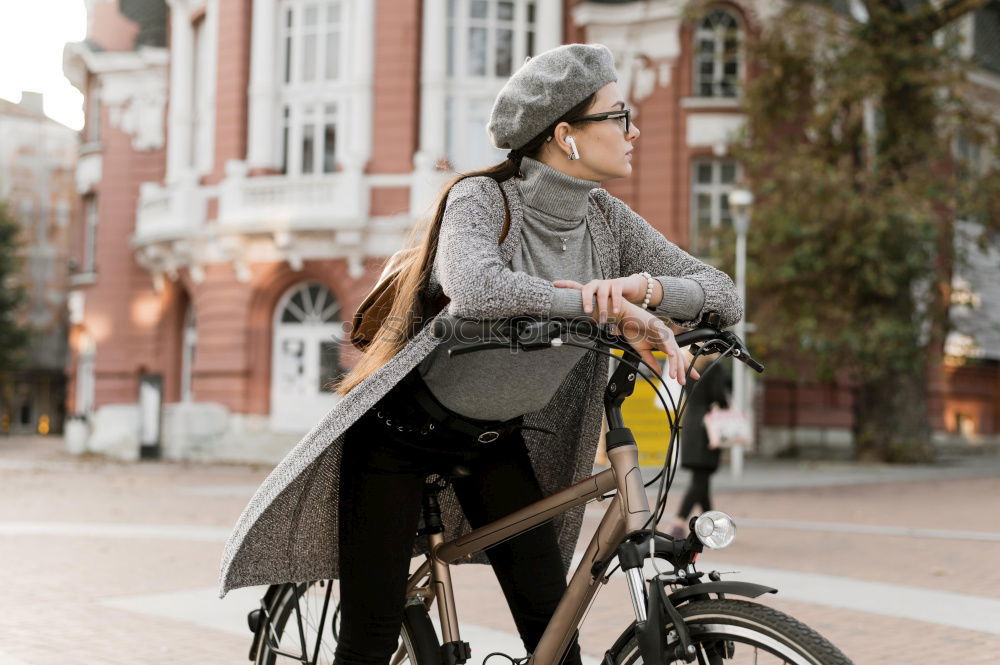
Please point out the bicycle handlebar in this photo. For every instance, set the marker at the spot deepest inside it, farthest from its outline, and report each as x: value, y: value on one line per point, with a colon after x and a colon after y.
x: 525, y: 334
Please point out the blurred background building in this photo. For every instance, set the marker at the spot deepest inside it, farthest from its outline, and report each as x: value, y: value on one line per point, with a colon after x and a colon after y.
x: 37, y: 167
x: 246, y: 167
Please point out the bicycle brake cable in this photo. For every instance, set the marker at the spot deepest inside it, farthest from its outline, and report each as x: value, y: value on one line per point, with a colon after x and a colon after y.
x: 673, y: 437
x: 672, y: 469
x: 673, y: 419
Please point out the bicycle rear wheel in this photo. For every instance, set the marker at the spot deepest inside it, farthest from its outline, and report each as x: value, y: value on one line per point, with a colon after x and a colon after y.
x: 737, y: 632
x: 297, y: 627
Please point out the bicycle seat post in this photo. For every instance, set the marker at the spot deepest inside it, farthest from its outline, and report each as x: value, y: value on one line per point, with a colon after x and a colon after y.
x: 431, y: 510
x: 453, y: 650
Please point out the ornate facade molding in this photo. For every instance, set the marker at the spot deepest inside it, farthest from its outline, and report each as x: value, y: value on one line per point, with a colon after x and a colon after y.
x: 133, y: 88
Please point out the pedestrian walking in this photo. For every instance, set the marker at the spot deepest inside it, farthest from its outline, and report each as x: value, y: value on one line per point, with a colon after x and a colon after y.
x: 533, y: 235
x: 696, y: 454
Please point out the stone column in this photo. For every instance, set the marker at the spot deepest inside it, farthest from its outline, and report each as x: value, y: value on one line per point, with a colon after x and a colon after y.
x: 263, y: 128
x: 433, y: 94
x: 181, y: 51
x: 362, y: 68
x: 548, y: 25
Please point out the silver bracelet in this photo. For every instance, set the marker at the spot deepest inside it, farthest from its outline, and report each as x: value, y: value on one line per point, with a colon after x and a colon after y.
x: 649, y: 289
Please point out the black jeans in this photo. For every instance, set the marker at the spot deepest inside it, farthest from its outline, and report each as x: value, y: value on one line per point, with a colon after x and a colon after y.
x: 382, y: 480
x: 697, y: 492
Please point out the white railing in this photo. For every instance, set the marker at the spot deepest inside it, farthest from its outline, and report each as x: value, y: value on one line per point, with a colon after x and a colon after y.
x: 261, y: 204
x: 335, y: 201
x: 169, y: 212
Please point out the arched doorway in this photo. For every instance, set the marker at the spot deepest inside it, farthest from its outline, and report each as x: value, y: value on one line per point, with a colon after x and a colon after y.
x: 305, y: 357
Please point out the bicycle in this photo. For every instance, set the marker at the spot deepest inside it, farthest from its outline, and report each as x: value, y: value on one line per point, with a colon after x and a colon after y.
x: 680, y: 616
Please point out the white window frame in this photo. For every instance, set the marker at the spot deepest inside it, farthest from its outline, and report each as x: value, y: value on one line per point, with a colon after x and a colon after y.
x: 467, y: 92
x: 717, y: 34
x: 718, y: 193
x: 322, y: 100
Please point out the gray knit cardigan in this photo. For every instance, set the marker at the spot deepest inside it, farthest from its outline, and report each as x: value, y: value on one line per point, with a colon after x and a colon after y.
x: 288, y: 531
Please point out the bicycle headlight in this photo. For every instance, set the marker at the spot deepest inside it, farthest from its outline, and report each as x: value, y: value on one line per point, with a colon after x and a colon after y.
x: 715, y: 529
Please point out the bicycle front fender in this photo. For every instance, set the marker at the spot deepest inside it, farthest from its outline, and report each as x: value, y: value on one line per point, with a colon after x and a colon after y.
x: 662, y: 607
x: 745, y: 589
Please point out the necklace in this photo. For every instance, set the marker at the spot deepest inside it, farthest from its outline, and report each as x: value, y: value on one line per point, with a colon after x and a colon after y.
x: 563, y: 243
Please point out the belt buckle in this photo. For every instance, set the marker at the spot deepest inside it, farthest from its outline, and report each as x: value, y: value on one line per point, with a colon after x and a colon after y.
x: 488, y: 436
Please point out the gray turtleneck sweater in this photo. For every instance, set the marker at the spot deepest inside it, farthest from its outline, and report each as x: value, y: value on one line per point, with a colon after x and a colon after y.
x: 555, y: 244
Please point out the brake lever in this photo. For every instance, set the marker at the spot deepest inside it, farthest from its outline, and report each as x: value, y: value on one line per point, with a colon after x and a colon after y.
x: 728, y: 341
x: 741, y: 353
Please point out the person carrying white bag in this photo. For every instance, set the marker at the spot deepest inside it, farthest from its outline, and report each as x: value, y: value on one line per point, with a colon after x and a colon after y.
x: 697, y: 453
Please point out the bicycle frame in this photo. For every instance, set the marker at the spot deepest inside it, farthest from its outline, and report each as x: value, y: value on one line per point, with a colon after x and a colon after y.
x: 628, y: 512
x: 625, y: 532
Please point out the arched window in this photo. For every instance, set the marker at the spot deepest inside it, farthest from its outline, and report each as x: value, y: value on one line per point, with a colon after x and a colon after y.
x: 717, y: 55
x: 305, y: 357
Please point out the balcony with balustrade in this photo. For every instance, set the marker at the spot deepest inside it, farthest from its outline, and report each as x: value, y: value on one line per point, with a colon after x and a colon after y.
x: 263, y: 218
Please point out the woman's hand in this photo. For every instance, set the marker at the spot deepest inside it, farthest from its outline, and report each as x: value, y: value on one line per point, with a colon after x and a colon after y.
x: 611, y: 294
x: 645, y: 333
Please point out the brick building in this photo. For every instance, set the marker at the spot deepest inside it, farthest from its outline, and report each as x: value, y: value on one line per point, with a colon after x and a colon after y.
x: 244, y: 179
x: 37, y: 167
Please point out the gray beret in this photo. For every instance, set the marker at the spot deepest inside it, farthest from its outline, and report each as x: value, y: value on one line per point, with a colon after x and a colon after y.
x: 545, y: 88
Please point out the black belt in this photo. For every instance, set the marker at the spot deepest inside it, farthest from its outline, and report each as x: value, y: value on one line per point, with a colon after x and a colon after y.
x: 441, y: 417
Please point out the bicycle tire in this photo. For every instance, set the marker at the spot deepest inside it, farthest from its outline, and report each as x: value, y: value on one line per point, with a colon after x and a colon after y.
x: 417, y: 636
x: 716, y: 625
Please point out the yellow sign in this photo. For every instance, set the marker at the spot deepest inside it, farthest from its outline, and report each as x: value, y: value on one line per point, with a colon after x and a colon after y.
x: 644, y: 415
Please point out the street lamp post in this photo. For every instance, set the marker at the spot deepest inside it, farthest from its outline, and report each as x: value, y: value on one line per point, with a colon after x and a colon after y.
x: 740, y: 201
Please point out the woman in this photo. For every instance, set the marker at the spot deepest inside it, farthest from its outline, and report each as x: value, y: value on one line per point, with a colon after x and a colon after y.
x: 695, y: 453
x: 345, y: 502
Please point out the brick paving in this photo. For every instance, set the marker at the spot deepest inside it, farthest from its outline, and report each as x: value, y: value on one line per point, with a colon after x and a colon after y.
x: 63, y: 590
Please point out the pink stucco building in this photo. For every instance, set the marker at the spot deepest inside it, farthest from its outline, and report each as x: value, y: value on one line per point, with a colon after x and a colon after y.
x: 247, y: 166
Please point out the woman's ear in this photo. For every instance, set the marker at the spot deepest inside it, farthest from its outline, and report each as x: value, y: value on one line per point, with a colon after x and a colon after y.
x: 560, y: 134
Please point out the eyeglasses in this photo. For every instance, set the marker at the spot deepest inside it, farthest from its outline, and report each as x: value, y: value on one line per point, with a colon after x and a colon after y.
x: 611, y: 115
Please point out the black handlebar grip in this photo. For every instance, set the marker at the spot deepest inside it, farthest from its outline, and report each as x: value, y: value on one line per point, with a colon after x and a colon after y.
x: 754, y: 365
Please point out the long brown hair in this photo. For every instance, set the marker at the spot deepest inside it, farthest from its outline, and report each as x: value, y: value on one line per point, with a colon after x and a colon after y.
x: 408, y: 305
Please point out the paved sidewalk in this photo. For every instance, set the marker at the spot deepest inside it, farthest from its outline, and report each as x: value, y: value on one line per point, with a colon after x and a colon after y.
x: 769, y: 474
x: 108, y: 562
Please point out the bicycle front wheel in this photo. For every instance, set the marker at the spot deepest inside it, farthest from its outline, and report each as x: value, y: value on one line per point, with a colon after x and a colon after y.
x: 298, y: 627
x: 737, y: 632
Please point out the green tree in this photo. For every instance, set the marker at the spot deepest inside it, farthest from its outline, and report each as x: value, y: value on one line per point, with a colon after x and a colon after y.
x: 849, y: 150
x: 14, y: 336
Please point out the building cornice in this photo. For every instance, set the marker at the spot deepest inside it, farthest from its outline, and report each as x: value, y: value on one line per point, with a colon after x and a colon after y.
x: 588, y: 13
x: 79, y: 60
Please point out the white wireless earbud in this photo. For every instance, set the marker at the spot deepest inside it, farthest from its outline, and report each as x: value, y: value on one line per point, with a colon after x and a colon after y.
x: 572, y: 143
